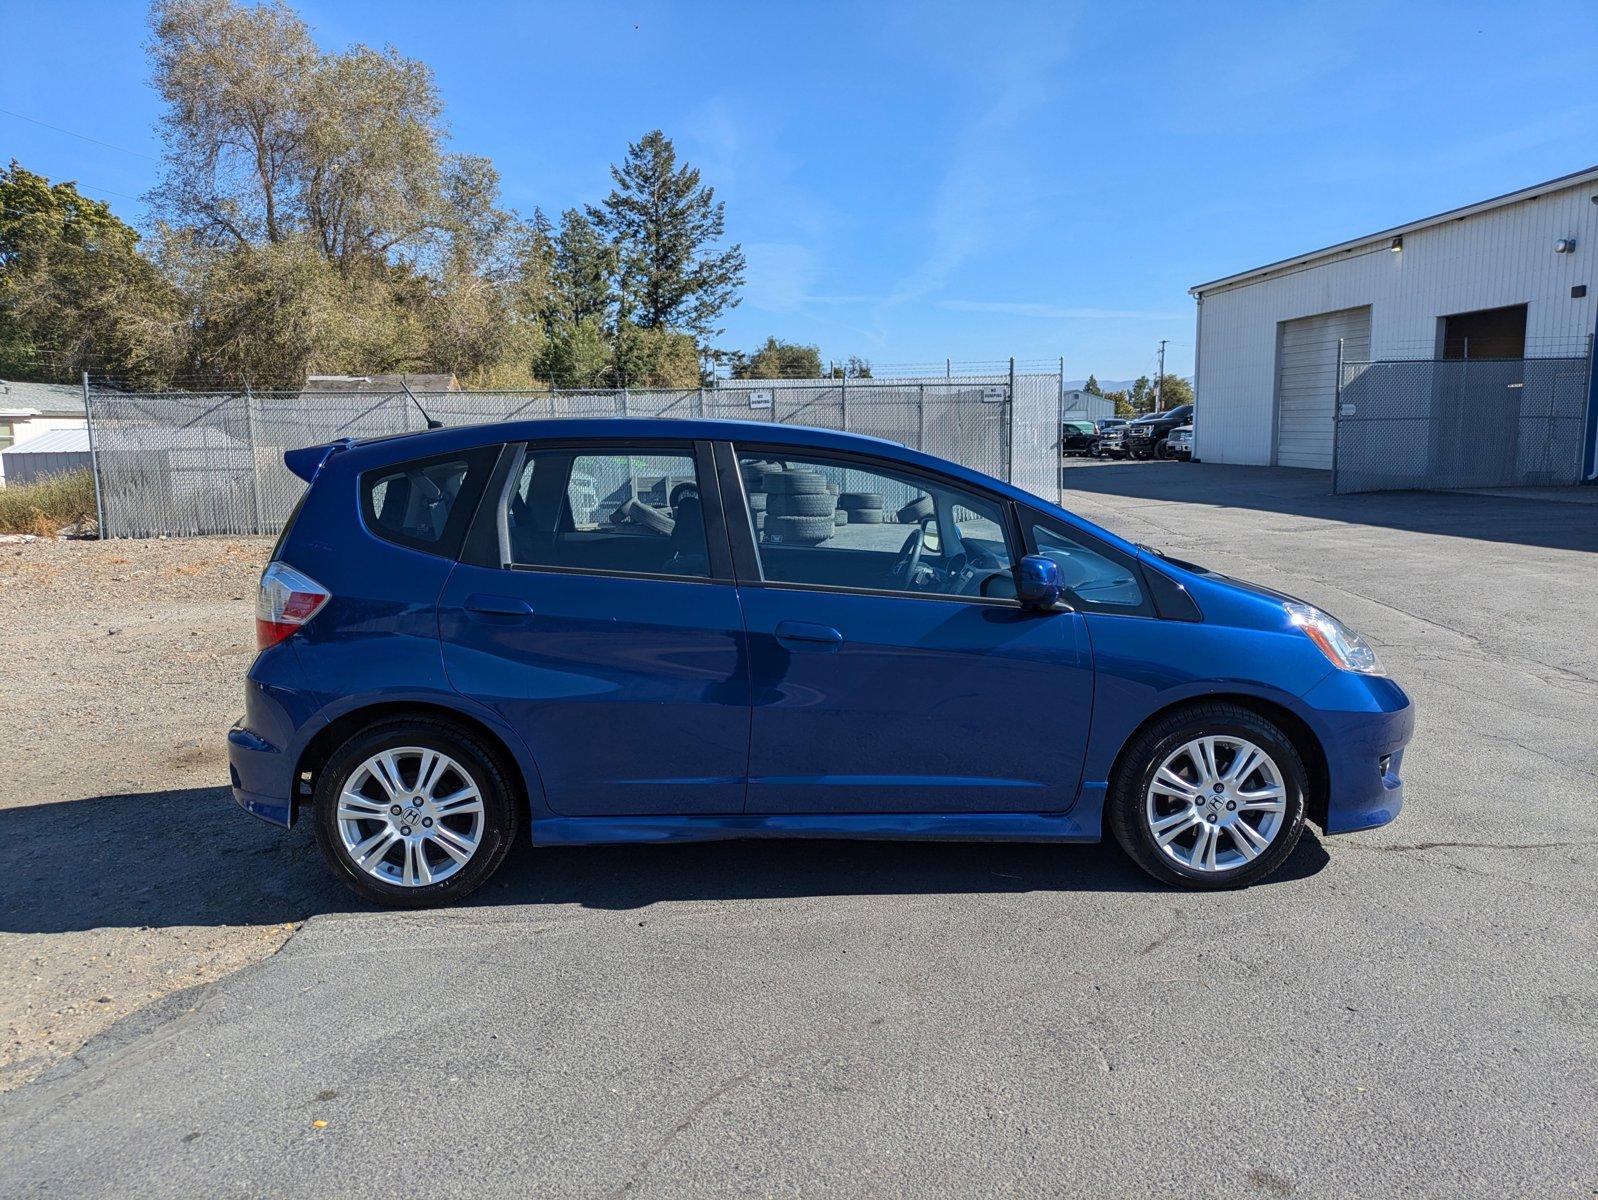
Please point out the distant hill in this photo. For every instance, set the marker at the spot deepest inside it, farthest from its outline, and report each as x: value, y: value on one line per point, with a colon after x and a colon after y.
x: 1105, y: 385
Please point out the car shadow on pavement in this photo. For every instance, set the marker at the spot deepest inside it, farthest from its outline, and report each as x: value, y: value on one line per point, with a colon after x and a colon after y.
x: 190, y: 857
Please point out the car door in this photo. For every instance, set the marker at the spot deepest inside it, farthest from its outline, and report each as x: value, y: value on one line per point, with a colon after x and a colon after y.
x: 594, y: 609
x: 892, y: 670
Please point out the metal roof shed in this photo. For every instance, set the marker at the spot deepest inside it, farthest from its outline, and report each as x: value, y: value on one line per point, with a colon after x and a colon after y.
x: 57, y: 452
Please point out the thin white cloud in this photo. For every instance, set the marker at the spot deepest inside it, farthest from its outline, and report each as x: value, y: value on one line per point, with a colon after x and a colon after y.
x: 1054, y: 312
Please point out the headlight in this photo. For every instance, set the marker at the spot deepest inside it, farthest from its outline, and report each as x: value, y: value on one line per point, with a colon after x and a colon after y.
x: 1337, y: 641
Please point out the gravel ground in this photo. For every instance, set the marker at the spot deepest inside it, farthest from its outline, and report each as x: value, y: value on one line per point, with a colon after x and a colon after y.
x: 123, y: 667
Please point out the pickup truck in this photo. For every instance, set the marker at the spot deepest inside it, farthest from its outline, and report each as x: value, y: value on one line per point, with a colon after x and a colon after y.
x: 1146, y: 436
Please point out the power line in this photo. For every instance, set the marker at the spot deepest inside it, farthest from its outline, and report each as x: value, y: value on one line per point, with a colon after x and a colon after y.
x: 76, y: 134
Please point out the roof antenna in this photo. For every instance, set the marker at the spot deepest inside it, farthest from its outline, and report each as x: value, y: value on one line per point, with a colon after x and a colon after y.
x: 431, y: 423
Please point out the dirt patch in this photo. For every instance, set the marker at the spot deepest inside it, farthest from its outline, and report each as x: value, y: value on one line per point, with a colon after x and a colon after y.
x: 124, y: 664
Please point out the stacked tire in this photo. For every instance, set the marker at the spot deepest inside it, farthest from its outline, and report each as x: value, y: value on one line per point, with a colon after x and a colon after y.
x: 860, y: 508
x: 799, y: 508
x: 755, y: 475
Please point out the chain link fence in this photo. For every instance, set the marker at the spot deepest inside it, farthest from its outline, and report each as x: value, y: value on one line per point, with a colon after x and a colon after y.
x: 1435, y: 424
x: 180, y: 464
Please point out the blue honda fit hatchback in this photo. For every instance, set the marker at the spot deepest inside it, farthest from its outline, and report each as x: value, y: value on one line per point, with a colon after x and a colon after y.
x: 650, y: 631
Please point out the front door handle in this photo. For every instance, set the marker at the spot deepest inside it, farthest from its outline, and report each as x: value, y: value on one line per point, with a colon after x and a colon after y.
x: 498, y: 606
x: 800, y: 635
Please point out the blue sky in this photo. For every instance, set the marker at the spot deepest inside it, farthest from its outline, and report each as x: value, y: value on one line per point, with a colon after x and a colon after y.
x: 919, y: 181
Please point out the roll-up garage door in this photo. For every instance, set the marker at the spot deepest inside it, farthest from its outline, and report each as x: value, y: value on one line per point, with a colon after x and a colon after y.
x: 1306, y: 382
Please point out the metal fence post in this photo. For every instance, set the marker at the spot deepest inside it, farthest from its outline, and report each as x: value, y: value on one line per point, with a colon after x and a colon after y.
x: 94, y: 459
x: 921, y: 417
x: 1059, y: 441
x: 1337, y: 413
x: 843, y: 399
x: 1589, y: 453
x: 255, y: 458
x: 1009, y: 427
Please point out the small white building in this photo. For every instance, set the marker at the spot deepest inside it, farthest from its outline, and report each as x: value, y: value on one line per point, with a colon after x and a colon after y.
x: 30, y: 409
x: 1507, y: 278
x: 1077, y: 405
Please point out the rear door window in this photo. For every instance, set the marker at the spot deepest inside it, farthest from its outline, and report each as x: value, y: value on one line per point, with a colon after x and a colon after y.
x: 632, y: 511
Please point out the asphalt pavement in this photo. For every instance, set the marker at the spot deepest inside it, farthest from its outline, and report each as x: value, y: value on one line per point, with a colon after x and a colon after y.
x: 1408, y: 1011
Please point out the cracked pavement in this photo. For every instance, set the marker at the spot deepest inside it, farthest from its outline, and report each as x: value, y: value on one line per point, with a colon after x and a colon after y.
x: 1406, y: 1011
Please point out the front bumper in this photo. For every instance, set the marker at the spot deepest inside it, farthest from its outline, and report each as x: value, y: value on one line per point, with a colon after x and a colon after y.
x: 1364, y: 723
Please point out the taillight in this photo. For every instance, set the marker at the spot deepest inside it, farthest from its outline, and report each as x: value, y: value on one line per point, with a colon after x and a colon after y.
x: 286, y: 601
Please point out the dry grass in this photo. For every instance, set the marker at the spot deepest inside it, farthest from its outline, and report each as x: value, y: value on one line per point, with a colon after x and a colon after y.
x: 47, y: 507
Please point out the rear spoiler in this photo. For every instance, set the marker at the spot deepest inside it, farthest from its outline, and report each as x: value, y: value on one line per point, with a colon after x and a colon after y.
x: 307, y: 462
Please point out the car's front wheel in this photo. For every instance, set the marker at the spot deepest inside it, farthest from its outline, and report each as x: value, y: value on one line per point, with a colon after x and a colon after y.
x: 1211, y: 796
x: 414, y: 813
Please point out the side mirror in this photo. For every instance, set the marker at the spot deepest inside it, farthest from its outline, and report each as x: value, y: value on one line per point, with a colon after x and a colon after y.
x: 1038, y: 583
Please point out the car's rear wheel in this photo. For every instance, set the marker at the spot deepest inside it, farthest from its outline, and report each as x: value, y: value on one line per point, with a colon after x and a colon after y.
x: 414, y: 813
x: 1211, y: 796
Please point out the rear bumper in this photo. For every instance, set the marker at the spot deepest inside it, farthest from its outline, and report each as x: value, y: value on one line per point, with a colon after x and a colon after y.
x: 260, y: 776
x: 264, y: 746
x: 1364, y: 724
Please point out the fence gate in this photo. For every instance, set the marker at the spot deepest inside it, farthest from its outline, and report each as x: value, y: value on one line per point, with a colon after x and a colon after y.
x: 1479, y: 423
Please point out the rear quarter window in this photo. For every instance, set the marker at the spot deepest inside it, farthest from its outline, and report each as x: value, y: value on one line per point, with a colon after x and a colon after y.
x: 427, y: 503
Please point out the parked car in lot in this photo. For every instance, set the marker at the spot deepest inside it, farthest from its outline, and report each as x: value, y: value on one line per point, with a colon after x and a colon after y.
x: 1180, y: 443
x: 1077, y: 437
x: 451, y: 658
x: 1146, y: 435
x: 1111, y: 440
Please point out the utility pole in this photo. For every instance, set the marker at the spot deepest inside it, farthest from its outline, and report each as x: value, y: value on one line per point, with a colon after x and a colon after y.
x: 1159, y: 380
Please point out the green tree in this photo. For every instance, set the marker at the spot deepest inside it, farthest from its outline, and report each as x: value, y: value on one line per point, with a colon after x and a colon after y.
x: 779, y: 360
x: 75, y: 294
x: 665, y: 224
x: 853, y: 367
x: 583, y: 282
x: 656, y: 358
x: 1091, y: 387
x: 276, y: 153
x: 1174, y: 391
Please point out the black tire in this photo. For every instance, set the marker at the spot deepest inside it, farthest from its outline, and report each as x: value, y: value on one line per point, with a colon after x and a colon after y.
x: 757, y: 501
x: 795, y: 483
x: 501, y: 810
x: 804, y: 530
x: 1127, y: 817
x: 866, y: 516
x: 854, y: 500
x: 840, y: 517
x: 918, y: 509
x: 801, y: 504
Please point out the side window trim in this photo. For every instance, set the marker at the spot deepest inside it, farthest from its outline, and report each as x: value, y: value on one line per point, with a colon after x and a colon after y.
x: 741, y: 534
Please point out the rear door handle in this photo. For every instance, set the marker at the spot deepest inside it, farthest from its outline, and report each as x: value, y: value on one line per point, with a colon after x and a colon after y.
x: 498, y: 606
x: 800, y: 635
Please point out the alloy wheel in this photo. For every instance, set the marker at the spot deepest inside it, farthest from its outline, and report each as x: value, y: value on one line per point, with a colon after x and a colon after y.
x: 410, y: 816
x: 1216, y: 803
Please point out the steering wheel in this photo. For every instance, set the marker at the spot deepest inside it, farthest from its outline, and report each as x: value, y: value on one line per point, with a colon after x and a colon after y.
x: 909, y: 560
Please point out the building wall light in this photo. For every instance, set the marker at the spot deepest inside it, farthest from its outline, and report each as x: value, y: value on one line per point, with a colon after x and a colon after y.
x: 1398, y: 244
x: 1565, y: 246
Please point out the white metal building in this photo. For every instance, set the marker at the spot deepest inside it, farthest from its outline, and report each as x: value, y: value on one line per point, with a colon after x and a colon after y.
x: 1509, y: 277
x: 1077, y: 405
